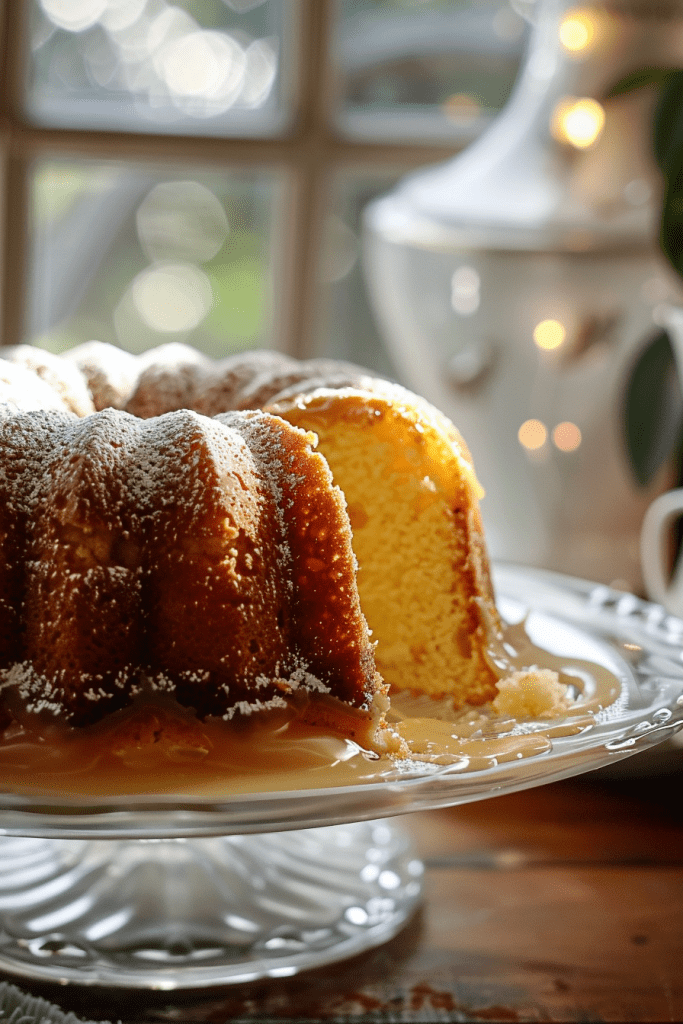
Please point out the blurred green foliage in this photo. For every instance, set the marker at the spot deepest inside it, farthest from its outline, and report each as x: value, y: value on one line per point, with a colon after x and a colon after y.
x: 653, y: 408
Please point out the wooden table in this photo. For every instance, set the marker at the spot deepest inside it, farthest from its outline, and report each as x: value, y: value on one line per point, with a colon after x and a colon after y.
x: 562, y: 903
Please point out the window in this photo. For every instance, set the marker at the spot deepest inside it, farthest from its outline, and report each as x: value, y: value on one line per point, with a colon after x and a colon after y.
x: 195, y: 170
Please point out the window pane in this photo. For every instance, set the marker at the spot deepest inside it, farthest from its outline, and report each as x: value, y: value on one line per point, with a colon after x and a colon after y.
x: 136, y: 256
x: 191, y: 66
x: 431, y: 69
x: 348, y: 329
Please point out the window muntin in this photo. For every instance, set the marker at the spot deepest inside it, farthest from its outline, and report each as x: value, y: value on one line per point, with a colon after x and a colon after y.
x: 347, y: 328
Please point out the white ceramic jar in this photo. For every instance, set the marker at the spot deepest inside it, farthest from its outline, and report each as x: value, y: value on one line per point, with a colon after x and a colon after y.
x: 516, y: 284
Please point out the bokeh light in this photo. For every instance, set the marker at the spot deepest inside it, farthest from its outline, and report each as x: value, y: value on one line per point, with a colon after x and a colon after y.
x: 121, y: 14
x: 462, y: 106
x: 549, y: 334
x: 532, y: 434
x: 74, y: 15
x: 578, y: 121
x: 577, y: 29
x: 465, y: 291
x: 181, y: 220
x: 172, y: 297
x: 259, y: 74
x: 566, y: 436
x: 159, y: 54
x: 203, y: 71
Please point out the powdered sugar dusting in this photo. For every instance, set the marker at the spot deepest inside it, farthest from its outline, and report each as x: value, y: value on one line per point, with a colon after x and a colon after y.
x: 38, y: 695
x: 64, y: 379
x: 246, y: 707
x: 110, y: 372
x: 87, y: 500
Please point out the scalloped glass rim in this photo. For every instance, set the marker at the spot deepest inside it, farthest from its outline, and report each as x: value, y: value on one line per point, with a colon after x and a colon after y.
x: 638, y: 641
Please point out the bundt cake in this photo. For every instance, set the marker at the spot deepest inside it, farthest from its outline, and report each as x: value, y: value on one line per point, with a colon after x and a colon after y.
x: 169, y: 528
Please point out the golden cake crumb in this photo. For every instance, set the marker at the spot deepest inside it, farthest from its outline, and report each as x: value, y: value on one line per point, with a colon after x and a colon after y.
x: 532, y: 693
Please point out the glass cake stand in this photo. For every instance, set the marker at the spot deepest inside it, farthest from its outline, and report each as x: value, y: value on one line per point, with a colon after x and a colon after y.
x: 162, y: 892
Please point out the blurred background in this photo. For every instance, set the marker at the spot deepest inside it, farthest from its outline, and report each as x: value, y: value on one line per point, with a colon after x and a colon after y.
x: 224, y: 151
x: 462, y: 195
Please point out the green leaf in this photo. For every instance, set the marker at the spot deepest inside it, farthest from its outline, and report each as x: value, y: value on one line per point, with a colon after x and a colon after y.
x: 653, y: 409
x: 671, y: 229
x: 668, y: 150
x: 668, y: 125
x: 637, y: 80
x: 653, y: 405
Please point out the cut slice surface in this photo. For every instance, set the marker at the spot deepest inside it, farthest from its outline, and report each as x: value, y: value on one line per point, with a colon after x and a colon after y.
x: 413, y: 504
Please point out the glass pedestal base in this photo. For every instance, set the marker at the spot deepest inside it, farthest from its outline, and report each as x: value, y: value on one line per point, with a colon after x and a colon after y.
x: 188, y: 913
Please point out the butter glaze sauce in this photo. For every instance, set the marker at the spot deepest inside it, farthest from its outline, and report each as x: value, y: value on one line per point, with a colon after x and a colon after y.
x: 161, y: 748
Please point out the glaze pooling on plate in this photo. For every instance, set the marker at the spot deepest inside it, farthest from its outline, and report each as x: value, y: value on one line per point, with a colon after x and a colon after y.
x: 634, y: 642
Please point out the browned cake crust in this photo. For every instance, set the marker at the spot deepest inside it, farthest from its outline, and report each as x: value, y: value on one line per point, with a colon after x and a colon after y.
x: 210, y: 559
x: 326, y: 629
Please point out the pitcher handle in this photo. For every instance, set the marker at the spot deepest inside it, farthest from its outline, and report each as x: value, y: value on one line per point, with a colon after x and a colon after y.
x: 658, y: 519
